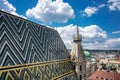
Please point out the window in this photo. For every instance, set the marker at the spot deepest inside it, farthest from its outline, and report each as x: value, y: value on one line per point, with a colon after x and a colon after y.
x: 84, y: 75
x: 80, y: 77
x: 97, y: 77
x: 80, y: 68
x: 106, y: 78
x: 101, y: 78
x: 73, y: 59
x: 74, y: 67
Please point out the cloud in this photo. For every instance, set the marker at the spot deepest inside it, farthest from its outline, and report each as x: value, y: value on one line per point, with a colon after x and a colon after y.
x: 112, y: 43
x: 89, y: 11
x: 114, y: 5
x: 66, y: 34
x: 8, y: 7
x: 93, y: 37
x: 51, y: 11
x: 93, y: 31
x: 116, y: 32
x: 91, y: 34
x: 101, y: 6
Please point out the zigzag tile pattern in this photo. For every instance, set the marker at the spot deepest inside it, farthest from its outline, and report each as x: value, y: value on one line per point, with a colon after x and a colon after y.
x: 51, y: 70
x: 25, y: 42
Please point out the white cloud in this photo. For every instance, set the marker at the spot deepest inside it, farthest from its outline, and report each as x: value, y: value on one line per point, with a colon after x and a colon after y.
x: 116, y: 32
x: 8, y: 7
x: 114, y: 4
x: 101, y: 6
x: 93, y: 37
x: 89, y: 11
x: 112, y: 43
x: 66, y: 34
x: 106, y: 45
x: 51, y: 11
x: 90, y: 34
x: 93, y: 31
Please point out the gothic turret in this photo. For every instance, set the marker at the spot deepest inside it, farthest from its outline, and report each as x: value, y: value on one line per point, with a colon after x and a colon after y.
x: 78, y: 57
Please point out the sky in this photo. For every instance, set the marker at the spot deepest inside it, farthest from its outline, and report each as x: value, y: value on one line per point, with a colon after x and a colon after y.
x: 98, y: 20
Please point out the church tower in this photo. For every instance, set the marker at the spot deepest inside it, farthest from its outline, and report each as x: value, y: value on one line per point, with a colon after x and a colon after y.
x: 78, y: 57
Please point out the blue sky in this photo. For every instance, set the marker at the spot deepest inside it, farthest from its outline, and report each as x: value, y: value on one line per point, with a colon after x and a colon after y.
x: 98, y: 21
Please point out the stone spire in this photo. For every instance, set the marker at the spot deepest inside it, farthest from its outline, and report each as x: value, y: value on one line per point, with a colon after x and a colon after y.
x: 77, y: 49
x: 77, y: 56
x: 76, y: 37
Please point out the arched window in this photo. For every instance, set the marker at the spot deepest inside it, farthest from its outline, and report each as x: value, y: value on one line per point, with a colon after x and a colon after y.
x: 80, y: 68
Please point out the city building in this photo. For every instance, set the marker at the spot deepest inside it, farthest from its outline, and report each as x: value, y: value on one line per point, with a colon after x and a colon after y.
x: 117, y: 57
x: 114, y: 64
x: 103, y: 75
x: 108, y: 68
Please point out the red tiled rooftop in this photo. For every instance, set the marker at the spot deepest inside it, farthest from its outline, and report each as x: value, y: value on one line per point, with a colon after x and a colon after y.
x: 117, y: 56
x: 102, y: 75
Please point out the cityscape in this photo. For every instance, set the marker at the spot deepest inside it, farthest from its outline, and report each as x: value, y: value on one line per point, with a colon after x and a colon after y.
x: 60, y: 40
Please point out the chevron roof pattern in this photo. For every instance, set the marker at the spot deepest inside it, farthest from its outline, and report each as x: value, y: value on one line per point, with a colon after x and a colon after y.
x: 25, y: 42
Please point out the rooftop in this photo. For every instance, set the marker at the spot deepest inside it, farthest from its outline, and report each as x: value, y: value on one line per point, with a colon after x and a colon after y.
x: 103, y: 75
